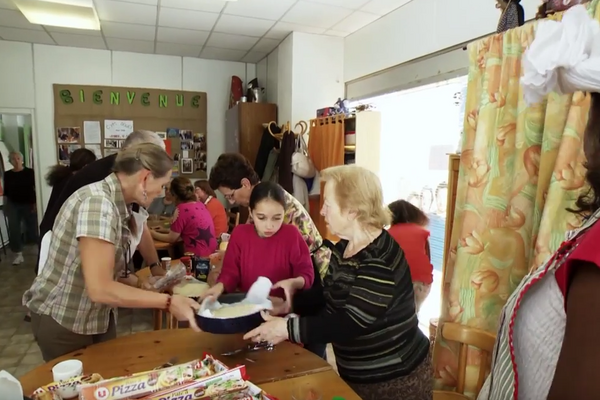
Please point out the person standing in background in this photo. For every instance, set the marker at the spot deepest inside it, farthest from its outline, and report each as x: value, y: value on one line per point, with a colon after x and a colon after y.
x: 20, y: 205
x: 513, y: 15
x: 205, y: 194
x: 409, y: 230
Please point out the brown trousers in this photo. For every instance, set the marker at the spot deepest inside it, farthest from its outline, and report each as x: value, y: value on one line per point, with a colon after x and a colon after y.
x: 55, y: 341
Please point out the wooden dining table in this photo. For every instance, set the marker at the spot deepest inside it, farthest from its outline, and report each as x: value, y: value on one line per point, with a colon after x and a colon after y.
x: 276, y: 371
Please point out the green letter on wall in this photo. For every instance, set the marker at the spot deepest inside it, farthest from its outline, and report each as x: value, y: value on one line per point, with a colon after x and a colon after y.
x: 97, y: 97
x: 179, y: 100
x: 65, y: 96
x: 196, y: 101
x: 162, y: 100
x: 130, y: 96
x: 82, y: 95
x: 146, y: 99
x: 115, y: 98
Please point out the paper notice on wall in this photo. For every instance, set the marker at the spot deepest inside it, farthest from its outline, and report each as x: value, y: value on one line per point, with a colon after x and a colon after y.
x: 184, y: 153
x: 117, y: 129
x: 95, y: 148
x: 92, y: 132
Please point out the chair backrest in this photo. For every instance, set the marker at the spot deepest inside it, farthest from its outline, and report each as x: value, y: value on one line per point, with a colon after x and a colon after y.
x: 233, y: 220
x: 468, y: 336
x: 44, y: 250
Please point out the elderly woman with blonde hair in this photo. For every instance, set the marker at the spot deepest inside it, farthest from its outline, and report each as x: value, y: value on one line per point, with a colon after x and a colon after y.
x: 366, y: 307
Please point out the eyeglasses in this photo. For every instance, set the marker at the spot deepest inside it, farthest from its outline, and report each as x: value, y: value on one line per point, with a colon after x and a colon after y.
x: 229, y: 196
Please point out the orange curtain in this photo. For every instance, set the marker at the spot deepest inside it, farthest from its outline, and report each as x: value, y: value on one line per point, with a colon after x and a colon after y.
x: 326, y: 149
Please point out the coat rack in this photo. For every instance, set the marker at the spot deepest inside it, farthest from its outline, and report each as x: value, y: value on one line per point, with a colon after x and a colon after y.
x: 287, y: 128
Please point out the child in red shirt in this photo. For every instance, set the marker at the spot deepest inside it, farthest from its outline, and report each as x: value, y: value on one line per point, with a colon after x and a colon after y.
x: 410, y: 232
x: 266, y: 248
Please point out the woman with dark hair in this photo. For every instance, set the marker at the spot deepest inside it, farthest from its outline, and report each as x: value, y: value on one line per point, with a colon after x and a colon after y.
x: 268, y: 248
x: 59, y: 174
x: 409, y: 230
x: 513, y: 14
x: 192, y: 222
x: 207, y: 196
x: 547, y: 343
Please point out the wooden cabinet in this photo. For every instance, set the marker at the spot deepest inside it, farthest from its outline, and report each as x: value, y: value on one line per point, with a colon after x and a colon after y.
x: 244, y: 127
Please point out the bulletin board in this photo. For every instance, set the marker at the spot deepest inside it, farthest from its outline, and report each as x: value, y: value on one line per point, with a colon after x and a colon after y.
x: 100, y: 118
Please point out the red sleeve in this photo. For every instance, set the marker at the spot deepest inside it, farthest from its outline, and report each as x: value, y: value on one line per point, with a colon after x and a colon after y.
x: 300, y: 259
x: 220, y: 219
x: 178, y: 225
x: 587, y: 251
x: 230, y: 271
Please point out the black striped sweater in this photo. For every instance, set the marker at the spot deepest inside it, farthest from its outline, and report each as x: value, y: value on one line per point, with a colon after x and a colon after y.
x: 366, y: 309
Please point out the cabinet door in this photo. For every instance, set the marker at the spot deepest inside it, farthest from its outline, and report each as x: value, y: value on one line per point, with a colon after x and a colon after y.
x: 252, y: 117
x: 232, y: 130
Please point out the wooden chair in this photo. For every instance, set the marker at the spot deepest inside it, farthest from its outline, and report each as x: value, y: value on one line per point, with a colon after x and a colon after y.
x: 467, y: 336
x: 233, y: 220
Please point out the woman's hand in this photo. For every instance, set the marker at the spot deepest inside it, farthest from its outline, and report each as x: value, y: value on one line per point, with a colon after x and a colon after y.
x: 185, y: 309
x: 280, y: 306
x: 290, y: 287
x: 273, y: 331
x: 213, y: 293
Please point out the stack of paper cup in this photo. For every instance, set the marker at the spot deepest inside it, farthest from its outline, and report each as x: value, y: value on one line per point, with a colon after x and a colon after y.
x: 64, y: 371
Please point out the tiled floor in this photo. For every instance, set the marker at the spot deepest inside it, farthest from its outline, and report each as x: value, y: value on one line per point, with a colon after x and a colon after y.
x: 18, y: 352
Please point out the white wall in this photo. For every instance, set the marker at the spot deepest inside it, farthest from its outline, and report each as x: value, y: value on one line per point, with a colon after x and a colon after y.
x: 27, y: 73
x: 285, y: 71
x: 262, y: 72
x: 419, y: 28
x: 272, y: 75
x: 11, y: 131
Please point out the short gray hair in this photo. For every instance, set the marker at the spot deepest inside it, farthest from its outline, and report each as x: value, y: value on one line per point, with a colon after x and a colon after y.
x: 15, y: 153
x: 137, y: 137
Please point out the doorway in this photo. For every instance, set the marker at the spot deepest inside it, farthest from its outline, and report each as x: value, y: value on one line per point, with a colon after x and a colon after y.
x: 16, y: 135
x: 420, y: 127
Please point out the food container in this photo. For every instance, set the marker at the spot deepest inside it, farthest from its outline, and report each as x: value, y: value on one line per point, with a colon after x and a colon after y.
x: 350, y: 138
x: 202, y: 268
x: 241, y: 324
x: 187, y: 262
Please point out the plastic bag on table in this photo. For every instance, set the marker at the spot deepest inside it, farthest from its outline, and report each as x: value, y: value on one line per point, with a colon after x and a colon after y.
x: 176, y: 274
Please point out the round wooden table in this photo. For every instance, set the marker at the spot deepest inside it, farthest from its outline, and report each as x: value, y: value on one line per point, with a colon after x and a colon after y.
x: 147, y: 350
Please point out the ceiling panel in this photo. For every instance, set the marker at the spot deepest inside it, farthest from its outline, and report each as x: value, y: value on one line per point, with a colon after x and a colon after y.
x: 254, y: 57
x: 266, y: 45
x: 227, y: 41
x: 147, y: 2
x: 242, y: 25
x: 382, y: 7
x: 135, y: 46
x: 25, y: 35
x: 282, y: 29
x: 14, y: 19
x: 182, y: 50
x: 90, y: 42
x: 215, y: 53
x: 355, y: 21
x: 7, y: 4
x: 187, y: 19
x: 85, y: 32
x: 128, y: 31
x: 264, y: 9
x: 197, y: 5
x: 182, y: 36
x: 351, y: 4
x: 317, y: 15
x: 119, y: 11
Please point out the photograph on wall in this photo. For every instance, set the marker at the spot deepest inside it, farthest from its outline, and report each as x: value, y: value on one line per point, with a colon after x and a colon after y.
x: 186, y: 135
x: 64, y: 152
x: 95, y: 148
x: 68, y: 134
x: 173, y: 132
x: 117, y: 129
x: 112, y: 143
x: 200, y: 140
x: 187, y: 166
x: 175, y: 167
x: 187, y: 145
x: 176, y: 157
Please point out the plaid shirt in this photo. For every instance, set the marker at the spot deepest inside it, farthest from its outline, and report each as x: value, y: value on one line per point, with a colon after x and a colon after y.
x: 95, y: 211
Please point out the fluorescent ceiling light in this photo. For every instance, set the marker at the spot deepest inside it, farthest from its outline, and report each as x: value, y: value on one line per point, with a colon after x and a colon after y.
x: 76, y: 14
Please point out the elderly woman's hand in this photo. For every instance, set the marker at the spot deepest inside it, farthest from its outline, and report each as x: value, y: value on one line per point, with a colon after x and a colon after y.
x: 273, y: 330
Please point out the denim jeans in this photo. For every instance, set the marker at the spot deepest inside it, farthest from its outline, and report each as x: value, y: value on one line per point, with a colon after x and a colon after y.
x: 19, y: 214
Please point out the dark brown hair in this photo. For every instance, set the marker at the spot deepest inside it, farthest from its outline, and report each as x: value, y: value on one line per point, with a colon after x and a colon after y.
x: 229, y: 171
x: 182, y: 189
x: 78, y: 159
x: 589, y: 202
x: 205, y: 186
x: 405, y: 213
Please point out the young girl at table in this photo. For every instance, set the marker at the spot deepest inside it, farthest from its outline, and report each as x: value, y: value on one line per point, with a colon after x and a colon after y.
x: 409, y: 230
x: 266, y: 248
x: 192, y: 222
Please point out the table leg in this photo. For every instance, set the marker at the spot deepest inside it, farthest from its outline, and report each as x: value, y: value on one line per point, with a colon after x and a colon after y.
x: 158, y: 319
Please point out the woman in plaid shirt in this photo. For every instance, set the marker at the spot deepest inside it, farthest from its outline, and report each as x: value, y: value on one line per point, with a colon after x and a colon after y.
x: 74, y: 299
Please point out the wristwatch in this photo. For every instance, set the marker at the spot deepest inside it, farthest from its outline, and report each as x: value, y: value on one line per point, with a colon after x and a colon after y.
x: 154, y: 264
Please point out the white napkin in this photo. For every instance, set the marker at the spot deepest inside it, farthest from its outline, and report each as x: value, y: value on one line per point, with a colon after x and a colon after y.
x: 257, y: 295
x: 10, y: 387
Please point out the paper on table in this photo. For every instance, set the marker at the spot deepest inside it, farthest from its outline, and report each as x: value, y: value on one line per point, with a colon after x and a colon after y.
x: 92, y: 132
x: 10, y: 387
x: 257, y: 295
x: 117, y: 129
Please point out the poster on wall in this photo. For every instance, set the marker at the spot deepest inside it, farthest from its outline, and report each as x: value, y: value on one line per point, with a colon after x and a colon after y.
x: 64, y: 152
x: 68, y: 134
x: 96, y: 148
x: 92, y: 133
x: 117, y: 129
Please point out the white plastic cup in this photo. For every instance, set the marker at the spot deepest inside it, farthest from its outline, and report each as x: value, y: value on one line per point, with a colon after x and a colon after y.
x: 64, y: 371
x: 166, y: 263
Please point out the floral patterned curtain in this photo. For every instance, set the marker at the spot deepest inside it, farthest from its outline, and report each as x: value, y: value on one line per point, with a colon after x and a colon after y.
x: 520, y: 169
